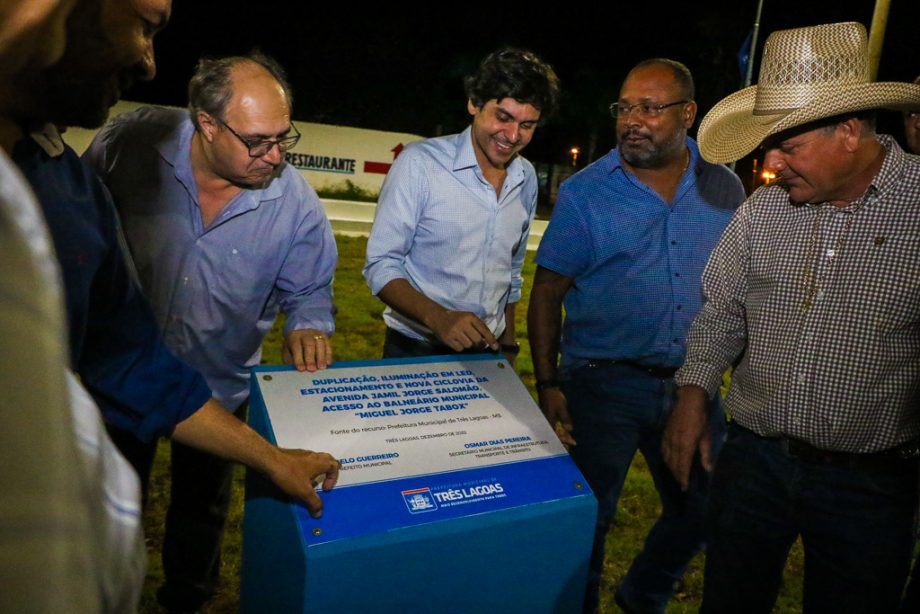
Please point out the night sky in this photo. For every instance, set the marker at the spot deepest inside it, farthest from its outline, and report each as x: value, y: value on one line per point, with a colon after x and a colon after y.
x: 401, y: 68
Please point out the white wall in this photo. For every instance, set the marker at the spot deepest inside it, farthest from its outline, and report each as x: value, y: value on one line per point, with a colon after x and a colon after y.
x: 326, y: 155
x: 350, y: 149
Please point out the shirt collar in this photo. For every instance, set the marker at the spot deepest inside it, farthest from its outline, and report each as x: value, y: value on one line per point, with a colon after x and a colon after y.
x: 696, y: 161
x: 892, y: 166
x: 888, y: 176
x: 49, y: 139
x: 176, y: 147
x: 466, y: 157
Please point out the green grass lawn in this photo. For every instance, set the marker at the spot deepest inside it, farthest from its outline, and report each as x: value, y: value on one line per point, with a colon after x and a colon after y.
x: 359, y: 335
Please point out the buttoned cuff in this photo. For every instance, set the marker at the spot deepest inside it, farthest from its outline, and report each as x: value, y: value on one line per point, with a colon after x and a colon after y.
x: 699, y: 374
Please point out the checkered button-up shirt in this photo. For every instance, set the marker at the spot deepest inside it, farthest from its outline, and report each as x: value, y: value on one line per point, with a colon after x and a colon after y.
x: 822, y: 306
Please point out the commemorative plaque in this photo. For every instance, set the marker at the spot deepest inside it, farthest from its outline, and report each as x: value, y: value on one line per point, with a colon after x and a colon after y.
x: 454, y: 496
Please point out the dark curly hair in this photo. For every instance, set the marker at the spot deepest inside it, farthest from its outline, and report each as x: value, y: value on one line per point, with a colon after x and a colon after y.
x: 518, y: 74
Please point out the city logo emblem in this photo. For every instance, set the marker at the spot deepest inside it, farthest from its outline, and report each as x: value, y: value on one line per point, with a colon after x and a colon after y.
x: 419, y: 500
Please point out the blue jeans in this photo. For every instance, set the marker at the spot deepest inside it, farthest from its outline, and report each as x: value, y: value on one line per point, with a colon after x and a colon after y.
x: 856, y: 527
x: 616, y: 410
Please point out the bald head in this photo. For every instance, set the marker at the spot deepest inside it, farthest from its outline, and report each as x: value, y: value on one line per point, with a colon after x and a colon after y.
x: 215, y: 80
x: 241, y: 108
x: 677, y: 70
x: 254, y: 92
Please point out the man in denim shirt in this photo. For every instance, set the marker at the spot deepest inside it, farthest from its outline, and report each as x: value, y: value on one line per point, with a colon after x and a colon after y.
x: 625, y: 251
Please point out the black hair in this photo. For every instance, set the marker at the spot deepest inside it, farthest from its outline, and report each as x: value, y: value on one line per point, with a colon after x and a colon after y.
x: 518, y: 74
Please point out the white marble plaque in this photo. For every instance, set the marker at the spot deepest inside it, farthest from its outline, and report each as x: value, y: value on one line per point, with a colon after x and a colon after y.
x: 398, y: 419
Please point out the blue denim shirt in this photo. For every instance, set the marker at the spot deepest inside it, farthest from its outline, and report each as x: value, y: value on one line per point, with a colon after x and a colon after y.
x: 215, y: 290
x: 115, y: 344
x: 636, y: 259
x: 440, y: 225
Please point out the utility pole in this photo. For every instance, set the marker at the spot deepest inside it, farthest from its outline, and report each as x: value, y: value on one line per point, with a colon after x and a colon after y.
x: 877, y: 36
x: 750, y: 62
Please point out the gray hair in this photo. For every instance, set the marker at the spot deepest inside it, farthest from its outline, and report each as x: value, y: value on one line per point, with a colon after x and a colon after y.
x: 210, y: 88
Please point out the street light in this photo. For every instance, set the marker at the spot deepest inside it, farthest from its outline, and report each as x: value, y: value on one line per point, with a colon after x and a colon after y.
x: 574, y: 151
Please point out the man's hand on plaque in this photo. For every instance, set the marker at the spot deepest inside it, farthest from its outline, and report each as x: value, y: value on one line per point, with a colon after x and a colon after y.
x: 462, y: 330
x: 556, y: 409
x: 298, y: 472
x: 307, y: 349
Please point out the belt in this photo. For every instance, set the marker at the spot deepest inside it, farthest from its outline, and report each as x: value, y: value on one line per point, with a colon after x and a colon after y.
x: 654, y: 370
x: 892, y: 460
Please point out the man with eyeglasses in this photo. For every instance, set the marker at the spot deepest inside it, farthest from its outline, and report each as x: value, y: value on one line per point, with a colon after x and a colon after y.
x: 624, y: 253
x: 222, y: 234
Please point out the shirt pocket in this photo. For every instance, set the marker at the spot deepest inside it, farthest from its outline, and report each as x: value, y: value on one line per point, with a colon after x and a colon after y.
x: 889, y: 290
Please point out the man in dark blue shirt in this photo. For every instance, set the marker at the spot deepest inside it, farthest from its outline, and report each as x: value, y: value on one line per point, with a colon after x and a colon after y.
x: 115, y: 343
x: 625, y: 249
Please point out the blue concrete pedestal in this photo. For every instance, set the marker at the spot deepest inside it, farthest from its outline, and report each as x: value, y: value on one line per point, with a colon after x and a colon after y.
x: 510, y: 537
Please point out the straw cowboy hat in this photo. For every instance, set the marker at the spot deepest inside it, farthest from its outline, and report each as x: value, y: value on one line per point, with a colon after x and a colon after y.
x: 806, y: 74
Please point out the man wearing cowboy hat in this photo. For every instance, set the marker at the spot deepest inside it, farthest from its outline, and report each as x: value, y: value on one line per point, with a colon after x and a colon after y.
x: 625, y: 252
x: 814, y: 294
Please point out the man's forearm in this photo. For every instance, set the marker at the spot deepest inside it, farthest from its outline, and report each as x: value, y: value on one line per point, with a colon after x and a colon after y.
x: 459, y: 330
x: 215, y: 430
x: 686, y: 433
x: 544, y: 324
x: 401, y: 296
x: 507, y: 343
x: 544, y: 321
x: 508, y: 336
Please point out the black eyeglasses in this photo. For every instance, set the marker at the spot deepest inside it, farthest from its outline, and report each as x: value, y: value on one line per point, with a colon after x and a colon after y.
x: 645, y: 109
x: 259, y: 147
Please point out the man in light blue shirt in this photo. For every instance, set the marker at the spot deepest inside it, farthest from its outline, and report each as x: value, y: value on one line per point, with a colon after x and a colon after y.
x: 222, y: 234
x: 451, y: 226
